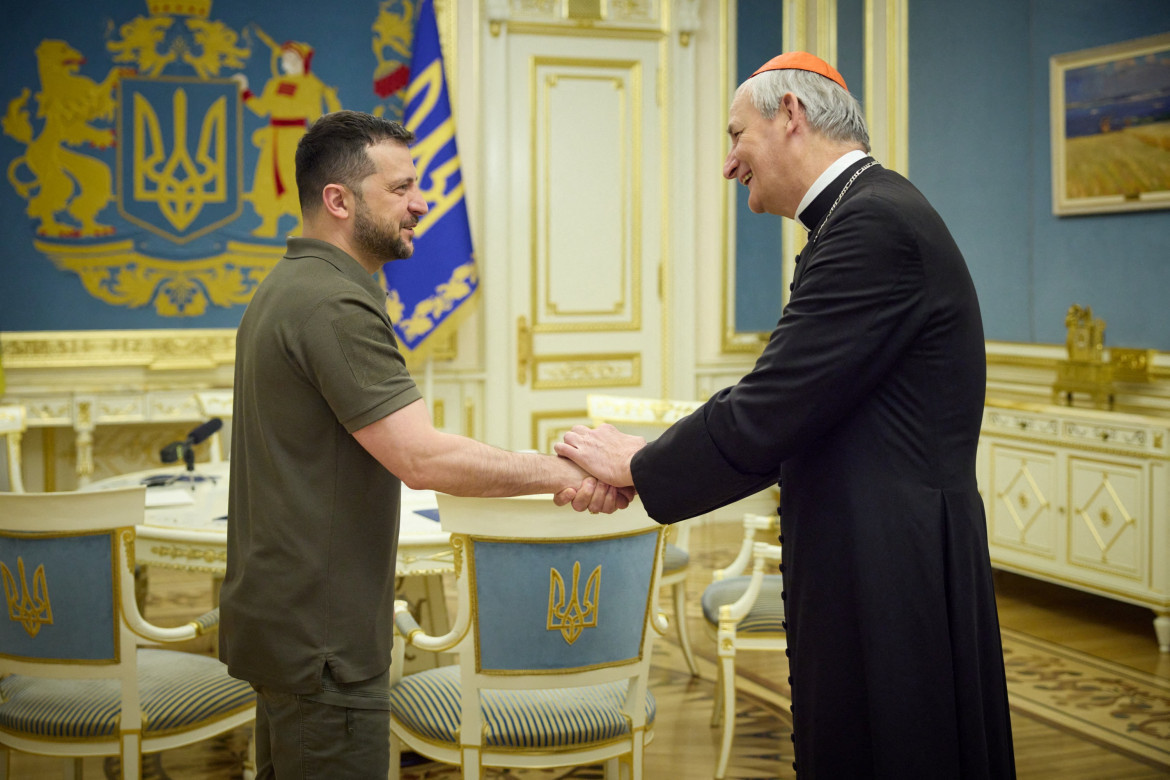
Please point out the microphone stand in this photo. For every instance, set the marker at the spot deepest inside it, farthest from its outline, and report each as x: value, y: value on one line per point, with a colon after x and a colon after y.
x: 189, y: 454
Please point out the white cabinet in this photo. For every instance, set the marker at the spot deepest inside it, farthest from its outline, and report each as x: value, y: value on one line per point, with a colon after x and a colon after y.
x: 1080, y: 498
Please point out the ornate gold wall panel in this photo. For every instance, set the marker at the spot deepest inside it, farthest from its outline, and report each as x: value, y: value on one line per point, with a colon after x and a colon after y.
x: 550, y: 426
x: 156, y: 350
x: 561, y: 371
x: 586, y: 260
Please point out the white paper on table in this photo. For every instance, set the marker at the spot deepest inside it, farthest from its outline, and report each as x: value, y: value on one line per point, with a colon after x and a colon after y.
x: 156, y: 497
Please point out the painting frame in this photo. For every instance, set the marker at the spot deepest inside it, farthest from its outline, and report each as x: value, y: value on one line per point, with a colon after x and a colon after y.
x: 1110, y: 125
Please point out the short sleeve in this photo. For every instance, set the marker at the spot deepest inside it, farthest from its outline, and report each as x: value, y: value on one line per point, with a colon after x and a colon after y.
x: 350, y: 353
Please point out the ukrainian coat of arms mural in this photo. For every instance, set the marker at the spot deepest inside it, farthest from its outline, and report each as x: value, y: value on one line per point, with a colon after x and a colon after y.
x: 149, y: 150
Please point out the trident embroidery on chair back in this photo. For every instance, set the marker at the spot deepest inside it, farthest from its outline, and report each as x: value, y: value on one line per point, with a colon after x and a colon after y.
x: 79, y: 572
x: 581, y: 610
x: 30, y: 609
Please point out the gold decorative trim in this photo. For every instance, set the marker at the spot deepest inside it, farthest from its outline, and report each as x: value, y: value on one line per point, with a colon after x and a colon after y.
x: 571, y: 417
x: 551, y: 372
x: 586, y: 29
x: 458, y: 546
x: 571, y: 610
x: 186, y: 552
x: 1085, y: 446
x: 1131, y: 365
x: 155, y: 350
x: 627, y: 78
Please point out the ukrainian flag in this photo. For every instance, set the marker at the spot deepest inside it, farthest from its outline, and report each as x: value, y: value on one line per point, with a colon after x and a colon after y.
x: 431, y: 292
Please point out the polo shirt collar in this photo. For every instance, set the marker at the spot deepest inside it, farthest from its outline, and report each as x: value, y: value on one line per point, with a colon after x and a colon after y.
x: 349, y: 267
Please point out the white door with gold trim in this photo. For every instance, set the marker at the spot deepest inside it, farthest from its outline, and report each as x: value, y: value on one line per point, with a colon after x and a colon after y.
x: 585, y: 227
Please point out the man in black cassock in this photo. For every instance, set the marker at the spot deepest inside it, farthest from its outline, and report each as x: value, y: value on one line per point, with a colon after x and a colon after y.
x: 865, y: 407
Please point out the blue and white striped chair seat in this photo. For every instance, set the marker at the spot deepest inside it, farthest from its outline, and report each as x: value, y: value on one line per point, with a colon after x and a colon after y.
x: 766, y: 615
x: 178, y: 691
x: 427, y: 703
x: 674, y: 558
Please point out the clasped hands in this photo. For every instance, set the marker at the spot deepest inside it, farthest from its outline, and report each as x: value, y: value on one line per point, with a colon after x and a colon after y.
x: 605, y: 453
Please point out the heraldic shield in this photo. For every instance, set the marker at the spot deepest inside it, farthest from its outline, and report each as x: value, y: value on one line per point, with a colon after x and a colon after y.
x: 179, y: 168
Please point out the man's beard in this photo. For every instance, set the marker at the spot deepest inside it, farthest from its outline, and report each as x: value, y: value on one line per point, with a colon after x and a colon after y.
x: 376, y: 238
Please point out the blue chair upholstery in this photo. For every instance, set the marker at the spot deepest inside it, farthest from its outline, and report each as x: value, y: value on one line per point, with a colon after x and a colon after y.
x: 553, y: 633
x: 73, y: 680
x: 765, y: 617
x: 649, y: 417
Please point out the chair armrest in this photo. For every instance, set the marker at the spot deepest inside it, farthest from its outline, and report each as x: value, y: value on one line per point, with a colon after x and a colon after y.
x: 205, y: 623
x: 752, y: 524
x: 405, y: 625
x: 762, y: 554
x: 208, y: 621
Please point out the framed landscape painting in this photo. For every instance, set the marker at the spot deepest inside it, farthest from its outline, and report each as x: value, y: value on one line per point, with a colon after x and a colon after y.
x: 1111, y: 127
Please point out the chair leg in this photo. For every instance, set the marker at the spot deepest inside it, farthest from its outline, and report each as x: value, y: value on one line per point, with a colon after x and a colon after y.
x: 472, y: 770
x: 716, y: 699
x: 74, y: 769
x: 727, y: 675
x: 613, y: 769
x: 131, y: 757
x: 250, y: 757
x: 679, y: 592
x: 637, y: 758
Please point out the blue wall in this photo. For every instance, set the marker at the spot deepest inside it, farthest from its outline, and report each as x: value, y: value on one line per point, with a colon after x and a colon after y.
x: 980, y: 151
x: 759, y: 279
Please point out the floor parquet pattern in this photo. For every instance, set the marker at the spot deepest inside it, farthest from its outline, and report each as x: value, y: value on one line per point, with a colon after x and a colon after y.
x: 1104, y: 701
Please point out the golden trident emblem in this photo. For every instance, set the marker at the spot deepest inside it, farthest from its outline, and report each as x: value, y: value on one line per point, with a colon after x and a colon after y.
x: 29, y: 609
x: 572, y: 619
x: 180, y: 184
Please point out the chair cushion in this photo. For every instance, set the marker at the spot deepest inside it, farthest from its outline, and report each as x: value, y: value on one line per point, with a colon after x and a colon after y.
x: 427, y: 704
x: 766, y: 615
x: 178, y: 691
x: 674, y: 558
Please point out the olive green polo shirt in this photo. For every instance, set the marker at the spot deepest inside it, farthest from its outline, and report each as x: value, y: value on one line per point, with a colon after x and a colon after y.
x: 313, y: 517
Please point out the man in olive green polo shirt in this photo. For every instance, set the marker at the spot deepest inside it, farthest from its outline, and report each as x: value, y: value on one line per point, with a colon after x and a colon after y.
x: 327, y: 421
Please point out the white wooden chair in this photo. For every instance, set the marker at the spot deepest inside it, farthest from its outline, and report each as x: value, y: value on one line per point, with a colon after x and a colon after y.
x: 73, y: 680
x: 744, y: 611
x: 649, y: 417
x: 217, y: 403
x: 12, y: 428
x: 556, y: 617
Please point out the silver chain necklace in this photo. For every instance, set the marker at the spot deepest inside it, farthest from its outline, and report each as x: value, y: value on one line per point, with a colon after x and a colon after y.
x: 840, y: 195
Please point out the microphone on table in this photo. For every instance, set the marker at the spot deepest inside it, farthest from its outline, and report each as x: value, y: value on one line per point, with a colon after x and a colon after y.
x: 186, y: 449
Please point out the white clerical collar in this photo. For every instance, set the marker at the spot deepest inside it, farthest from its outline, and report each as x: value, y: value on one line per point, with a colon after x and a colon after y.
x: 825, y: 179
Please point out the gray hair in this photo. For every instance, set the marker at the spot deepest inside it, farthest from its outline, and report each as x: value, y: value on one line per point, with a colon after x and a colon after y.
x: 831, y: 110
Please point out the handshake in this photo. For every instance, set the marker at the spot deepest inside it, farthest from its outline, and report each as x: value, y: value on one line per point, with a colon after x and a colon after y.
x: 602, y: 455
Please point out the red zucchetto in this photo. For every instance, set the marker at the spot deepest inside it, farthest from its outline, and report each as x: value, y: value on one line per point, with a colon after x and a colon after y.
x: 802, y: 60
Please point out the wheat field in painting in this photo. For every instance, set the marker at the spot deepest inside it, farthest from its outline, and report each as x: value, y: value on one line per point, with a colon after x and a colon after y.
x: 1126, y: 162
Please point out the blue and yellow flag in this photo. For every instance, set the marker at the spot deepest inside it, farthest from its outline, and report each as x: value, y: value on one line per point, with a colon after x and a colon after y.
x: 431, y: 292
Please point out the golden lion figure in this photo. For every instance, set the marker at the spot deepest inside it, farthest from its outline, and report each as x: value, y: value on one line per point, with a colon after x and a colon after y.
x: 64, y: 180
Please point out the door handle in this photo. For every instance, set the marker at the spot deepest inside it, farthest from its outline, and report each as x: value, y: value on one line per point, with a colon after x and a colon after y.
x: 523, y: 349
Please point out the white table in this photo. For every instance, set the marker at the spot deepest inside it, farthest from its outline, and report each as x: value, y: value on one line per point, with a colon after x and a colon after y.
x: 186, y: 522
